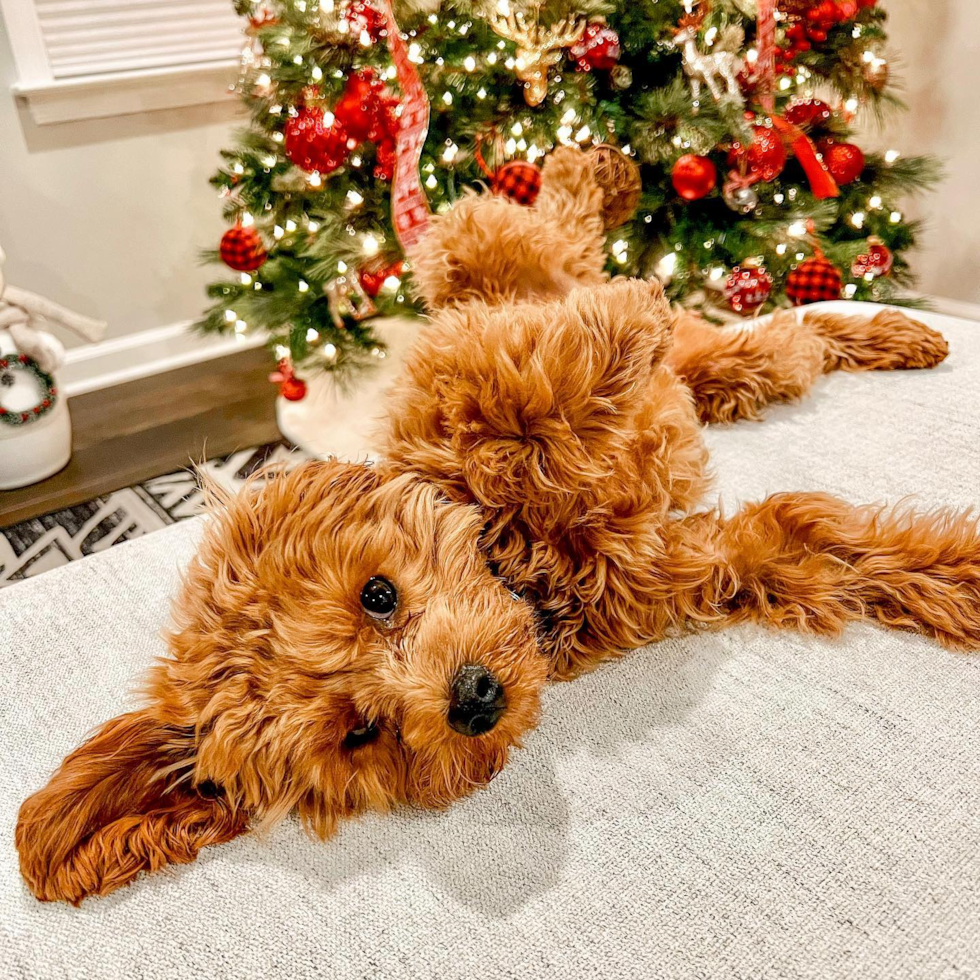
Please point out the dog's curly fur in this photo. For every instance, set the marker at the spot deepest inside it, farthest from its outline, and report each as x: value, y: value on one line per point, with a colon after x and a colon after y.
x: 544, y: 440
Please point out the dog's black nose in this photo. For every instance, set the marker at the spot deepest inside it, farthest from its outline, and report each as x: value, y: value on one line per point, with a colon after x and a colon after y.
x: 477, y: 700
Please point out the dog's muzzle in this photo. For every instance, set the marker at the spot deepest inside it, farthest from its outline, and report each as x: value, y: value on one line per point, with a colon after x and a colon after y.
x: 477, y: 700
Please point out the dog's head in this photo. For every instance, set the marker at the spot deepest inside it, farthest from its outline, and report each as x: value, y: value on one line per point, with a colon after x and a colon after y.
x: 340, y: 646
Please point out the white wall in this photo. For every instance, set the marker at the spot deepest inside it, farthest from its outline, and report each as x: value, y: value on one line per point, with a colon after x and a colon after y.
x: 936, y: 50
x: 107, y: 215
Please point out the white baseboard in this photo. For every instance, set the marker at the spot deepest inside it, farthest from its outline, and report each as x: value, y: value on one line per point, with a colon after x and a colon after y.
x: 955, y: 307
x: 161, y: 349
x: 141, y: 354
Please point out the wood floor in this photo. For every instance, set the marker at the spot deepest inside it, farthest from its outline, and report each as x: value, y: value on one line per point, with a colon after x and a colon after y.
x: 156, y: 425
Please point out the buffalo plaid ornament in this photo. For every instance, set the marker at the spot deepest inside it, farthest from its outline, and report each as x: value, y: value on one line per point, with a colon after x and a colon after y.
x: 519, y: 180
x: 813, y: 281
x: 241, y: 249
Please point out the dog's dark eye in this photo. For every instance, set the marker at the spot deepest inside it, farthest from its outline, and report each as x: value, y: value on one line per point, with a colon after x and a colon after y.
x: 379, y: 598
x: 357, y: 737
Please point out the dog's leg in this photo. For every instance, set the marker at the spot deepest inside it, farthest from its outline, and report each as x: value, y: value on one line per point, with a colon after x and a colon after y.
x: 812, y: 562
x: 734, y: 374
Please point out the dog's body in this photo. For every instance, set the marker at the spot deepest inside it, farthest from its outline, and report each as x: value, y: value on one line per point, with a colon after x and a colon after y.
x: 349, y: 638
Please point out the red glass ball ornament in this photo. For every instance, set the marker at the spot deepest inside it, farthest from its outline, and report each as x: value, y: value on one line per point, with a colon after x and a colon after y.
x: 845, y: 161
x: 764, y: 158
x: 519, y: 180
x: 808, y: 113
x: 693, y: 176
x: 312, y: 144
x: 241, y: 249
x: 362, y: 16
x: 358, y: 109
x: 293, y: 389
x: 748, y: 287
x: 877, y: 261
x: 373, y: 279
x: 598, y: 49
x: 813, y: 281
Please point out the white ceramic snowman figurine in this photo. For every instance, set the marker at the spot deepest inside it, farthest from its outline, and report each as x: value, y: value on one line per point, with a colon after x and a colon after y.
x: 35, y: 427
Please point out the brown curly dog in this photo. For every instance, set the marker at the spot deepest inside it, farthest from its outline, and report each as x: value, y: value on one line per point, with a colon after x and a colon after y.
x: 354, y: 638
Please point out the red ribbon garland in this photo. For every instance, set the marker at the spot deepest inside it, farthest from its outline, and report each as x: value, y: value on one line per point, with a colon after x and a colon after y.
x: 822, y: 183
x: 409, y: 205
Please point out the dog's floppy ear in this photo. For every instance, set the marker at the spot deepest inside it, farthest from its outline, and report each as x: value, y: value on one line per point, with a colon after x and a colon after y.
x: 121, y: 803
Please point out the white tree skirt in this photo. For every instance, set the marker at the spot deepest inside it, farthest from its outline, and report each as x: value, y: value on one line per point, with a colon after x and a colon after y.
x: 332, y: 422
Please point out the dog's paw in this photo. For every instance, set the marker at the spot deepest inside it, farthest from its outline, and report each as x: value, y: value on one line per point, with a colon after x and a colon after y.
x: 910, y: 342
x: 890, y: 341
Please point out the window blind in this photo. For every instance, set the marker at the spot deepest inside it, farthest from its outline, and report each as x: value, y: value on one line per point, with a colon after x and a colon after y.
x: 92, y: 37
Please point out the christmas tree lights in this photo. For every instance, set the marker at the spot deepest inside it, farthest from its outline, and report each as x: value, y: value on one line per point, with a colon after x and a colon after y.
x: 738, y: 114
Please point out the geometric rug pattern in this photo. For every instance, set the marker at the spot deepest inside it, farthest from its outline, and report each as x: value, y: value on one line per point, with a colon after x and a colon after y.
x: 42, y: 543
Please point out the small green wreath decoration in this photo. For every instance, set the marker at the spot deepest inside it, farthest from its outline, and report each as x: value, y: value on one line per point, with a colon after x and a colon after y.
x: 21, y: 362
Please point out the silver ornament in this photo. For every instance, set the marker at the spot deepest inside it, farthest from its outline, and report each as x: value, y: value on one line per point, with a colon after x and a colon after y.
x: 744, y: 200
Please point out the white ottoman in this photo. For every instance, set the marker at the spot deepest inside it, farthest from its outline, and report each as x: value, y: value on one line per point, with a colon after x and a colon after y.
x: 744, y: 804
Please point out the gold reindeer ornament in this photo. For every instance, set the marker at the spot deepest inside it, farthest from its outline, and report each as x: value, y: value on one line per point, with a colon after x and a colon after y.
x: 538, y: 47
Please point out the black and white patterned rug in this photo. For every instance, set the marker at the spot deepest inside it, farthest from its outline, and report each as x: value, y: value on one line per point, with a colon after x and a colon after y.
x: 42, y: 543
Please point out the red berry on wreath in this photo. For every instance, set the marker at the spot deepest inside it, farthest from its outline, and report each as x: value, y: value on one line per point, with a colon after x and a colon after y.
x: 693, y: 176
x: 598, y: 48
x: 519, y: 180
x: 764, y: 158
x: 813, y: 281
x: 845, y: 161
x: 808, y: 113
x: 748, y: 287
x: 241, y: 249
x: 361, y: 17
x: 313, y: 144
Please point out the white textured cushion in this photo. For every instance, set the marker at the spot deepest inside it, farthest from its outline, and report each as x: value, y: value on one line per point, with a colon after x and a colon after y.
x: 745, y: 804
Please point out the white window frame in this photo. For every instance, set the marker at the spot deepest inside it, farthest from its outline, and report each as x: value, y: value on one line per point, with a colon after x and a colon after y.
x: 59, y: 100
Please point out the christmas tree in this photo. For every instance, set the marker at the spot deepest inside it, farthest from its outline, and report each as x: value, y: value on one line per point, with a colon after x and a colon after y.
x: 735, y: 119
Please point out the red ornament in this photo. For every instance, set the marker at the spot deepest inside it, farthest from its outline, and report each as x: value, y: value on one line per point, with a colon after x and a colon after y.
x: 384, y: 160
x: 808, y: 113
x: 312, y: 144
x: 290, y: 387
x: 748, y: 287
x: 763, y: 159
x: 373, y: 279
x: 358, y: 109
x: 361, y: 17
x: 877, y: 261
x: 519, y: 180
x: 844, y: 161
x: 693, y: 176
x: 598, y: 49
x: 814, y: 280
x: 293, y: 389
x: 241, y: 249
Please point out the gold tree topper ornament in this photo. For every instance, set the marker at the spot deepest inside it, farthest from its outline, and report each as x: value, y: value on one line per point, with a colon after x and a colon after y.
x: 538, y: 47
